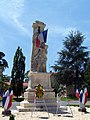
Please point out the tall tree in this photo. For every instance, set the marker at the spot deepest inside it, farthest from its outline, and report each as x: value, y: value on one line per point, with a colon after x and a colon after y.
x: 18, y: 70
x: 72, y: 59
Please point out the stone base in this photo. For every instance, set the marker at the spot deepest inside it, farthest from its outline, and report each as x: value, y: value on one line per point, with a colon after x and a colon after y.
x: 28, y: 103
x: 48, y: 94
x: 39, y: 78
x: 26, y: 106
x: 6, y: 112
x: 29, y: 96
x: 82, y: 109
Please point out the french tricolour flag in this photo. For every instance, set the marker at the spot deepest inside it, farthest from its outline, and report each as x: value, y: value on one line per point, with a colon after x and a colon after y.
x: 77, y: 93
x: 7, y: 99
x: 84, y: 96
x: 42, y: 37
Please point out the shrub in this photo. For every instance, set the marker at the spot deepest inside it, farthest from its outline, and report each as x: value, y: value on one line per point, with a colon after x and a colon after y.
x: 11, y: 117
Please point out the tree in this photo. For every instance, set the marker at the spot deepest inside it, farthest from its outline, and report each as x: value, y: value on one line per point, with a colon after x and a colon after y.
x: 72, y: 59
x: 87, y: 73
x: 3, y: 62
x: 3, y: 65
x: 18, y: 70
x: 87, y: 76
x: 6, y: 78
x: 26, y: 78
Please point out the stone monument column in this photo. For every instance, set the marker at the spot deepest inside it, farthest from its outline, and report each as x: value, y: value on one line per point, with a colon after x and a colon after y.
x: 39, y: 54
x: 38, y: 73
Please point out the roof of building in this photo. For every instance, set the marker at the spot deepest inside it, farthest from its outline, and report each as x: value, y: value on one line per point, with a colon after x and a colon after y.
x: 25, y: 84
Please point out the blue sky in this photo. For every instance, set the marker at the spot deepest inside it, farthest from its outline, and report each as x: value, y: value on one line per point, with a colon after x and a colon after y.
x: 60, y: 17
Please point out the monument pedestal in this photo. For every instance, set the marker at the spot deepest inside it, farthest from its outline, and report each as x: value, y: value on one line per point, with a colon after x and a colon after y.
x: 39, y: 78
x: 49, y: 96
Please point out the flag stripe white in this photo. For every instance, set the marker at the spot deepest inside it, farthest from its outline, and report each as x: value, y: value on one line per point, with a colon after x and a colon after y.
x: 6, y: 103
x: 40, y: 37
x: 7, y: 99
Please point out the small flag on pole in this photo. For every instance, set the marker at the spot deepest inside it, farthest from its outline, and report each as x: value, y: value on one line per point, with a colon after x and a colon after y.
x: 77, y: 93
x: 7, y: 99
x: 86, y: 95
x: 81, y: 97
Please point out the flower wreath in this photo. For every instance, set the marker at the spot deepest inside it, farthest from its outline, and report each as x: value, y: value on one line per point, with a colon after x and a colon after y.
x: 39, y: 91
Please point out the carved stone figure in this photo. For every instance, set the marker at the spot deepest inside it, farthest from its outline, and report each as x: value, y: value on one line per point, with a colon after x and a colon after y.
x: 39, y: 54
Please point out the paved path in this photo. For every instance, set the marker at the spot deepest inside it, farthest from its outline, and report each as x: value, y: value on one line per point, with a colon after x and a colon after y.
x: 42, y: 115
x: 76, y: 102
x: 71, y: 102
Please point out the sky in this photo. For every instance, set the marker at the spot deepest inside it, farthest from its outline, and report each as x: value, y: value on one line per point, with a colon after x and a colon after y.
x: 60, y: 17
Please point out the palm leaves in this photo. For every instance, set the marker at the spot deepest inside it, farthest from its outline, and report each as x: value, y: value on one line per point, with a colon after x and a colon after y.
x: 3, y: 62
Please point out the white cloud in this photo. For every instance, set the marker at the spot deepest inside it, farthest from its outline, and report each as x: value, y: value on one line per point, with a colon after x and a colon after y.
x: 11, y: 8
x: 11, y: 11
x: 61, y: 30
x: 20, y: 25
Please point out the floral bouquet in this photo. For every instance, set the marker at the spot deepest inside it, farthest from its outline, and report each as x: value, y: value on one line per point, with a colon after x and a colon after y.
x: 39, y: 91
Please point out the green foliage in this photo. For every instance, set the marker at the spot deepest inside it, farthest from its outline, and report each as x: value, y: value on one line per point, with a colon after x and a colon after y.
x: 62, y: 90
x: 0, y: 98
x: 3, y: 85
x: 18, y: 99
x: 3, y: 62
x: 26, y: 76
x: 18, y: 70
x: 54, y: 83
x: 11, y: 117
x: 87, y: 73
x: 6, y: 78
x: 3, y: 66
x: 72, y: 59
x: 87, y: 76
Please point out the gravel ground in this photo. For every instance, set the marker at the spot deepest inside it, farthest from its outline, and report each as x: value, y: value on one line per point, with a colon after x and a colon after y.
x: 44, y: 115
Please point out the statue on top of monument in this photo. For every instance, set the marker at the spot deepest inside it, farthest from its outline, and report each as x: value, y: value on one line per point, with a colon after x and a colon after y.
x: 39, y: 48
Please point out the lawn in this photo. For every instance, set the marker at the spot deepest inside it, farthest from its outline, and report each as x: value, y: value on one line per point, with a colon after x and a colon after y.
x: 14, y: 99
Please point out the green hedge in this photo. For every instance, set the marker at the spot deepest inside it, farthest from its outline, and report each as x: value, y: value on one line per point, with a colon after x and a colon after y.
x: 18, y: 99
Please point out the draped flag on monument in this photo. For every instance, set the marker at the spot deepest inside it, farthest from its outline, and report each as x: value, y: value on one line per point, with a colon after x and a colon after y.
x: 42, y: 37
x: 7, y: 99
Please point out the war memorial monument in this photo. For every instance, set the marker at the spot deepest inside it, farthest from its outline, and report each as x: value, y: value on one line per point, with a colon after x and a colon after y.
x: 38, y: 73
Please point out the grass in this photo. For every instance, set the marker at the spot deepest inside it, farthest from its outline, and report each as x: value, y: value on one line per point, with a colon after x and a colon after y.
x: 69, y: 98
x: 18, y: 99
x: 14, y: 99
x: 0, y: 98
